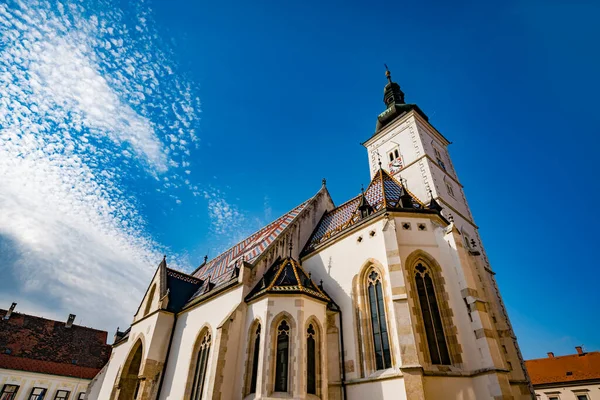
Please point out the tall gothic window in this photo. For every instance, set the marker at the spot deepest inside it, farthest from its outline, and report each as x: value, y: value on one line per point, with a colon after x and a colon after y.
x: 282, y: 357
x: 432, y: 319
x: 381, y: 342
x: 254, y: 375
x: 201, y: 365
x: 311, y: 360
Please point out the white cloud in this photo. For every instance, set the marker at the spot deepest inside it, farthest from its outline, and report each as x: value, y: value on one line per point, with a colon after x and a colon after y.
x: 84, y: 104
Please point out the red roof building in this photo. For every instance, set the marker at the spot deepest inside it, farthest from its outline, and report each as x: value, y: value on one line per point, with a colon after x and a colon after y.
x: 31, y: 345
x: 570, y: 377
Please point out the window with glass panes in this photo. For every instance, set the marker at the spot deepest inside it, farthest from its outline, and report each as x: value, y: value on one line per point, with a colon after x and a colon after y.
x: 432, y: 319
x: 37, y: 393
x: 254, y: 376
x: 381, y: 342
x: 9, y: 392
x: 311, y: 360
x: 201, y: 365
x: 282, y: 357
x: 62, y: 395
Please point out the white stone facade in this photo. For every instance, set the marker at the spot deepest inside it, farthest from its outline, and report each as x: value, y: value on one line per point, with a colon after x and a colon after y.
x: 386, y: 248
x: 27, y: 381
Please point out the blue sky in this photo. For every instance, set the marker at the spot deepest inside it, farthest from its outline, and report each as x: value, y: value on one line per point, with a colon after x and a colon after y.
x: 133, y: 129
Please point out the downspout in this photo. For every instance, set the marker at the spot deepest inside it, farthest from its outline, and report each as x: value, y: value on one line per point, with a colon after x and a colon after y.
x: 339, y: 310
x: 162, y: 376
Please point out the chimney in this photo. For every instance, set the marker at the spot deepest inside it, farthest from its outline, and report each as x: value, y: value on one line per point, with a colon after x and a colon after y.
x: 550, y: 354
x: 579, y: 350
x: 10, y: 310
x: 70, y: 321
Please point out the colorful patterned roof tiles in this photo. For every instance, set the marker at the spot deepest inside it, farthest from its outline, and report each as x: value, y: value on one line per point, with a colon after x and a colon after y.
x: 219, y: 269
x: 383, y: 192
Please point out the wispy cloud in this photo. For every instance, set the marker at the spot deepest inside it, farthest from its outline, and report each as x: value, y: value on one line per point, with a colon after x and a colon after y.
x: 226, y: 219
x: 88, y: 100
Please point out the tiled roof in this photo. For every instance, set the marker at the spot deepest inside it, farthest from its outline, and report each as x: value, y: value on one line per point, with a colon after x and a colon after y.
x: 287, y: 276
x: 47, y: 367
x: 221, y: 267
x: 41, y: 345
x: 383, y: 192
x: 561, y: 369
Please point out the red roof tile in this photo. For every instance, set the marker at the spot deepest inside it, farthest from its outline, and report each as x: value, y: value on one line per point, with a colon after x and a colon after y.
x: 46, y: 367
x: 554, y: 369
x: 36, y: 344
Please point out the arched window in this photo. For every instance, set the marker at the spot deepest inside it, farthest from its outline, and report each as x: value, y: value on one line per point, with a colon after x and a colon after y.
x: 432, y: 319
x: 282, y: 357
x: 149, y: 301
x: 200, y: 368
x: 381, y: 342
x: 311, y: 360
x: 254, y: 366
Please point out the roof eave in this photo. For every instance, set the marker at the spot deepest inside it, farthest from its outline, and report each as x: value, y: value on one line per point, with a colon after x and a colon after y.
x: 370, y: 218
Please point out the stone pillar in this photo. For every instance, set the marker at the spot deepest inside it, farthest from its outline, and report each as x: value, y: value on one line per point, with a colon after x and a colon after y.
x: 405, y: 335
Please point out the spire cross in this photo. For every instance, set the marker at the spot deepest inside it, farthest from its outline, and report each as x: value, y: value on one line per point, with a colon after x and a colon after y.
x: 388, y: 74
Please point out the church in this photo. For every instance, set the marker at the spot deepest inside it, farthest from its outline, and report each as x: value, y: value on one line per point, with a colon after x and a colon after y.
x: 389, y: 295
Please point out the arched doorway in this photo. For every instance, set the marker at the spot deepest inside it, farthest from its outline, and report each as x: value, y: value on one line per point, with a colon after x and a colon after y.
x: 129, y: 383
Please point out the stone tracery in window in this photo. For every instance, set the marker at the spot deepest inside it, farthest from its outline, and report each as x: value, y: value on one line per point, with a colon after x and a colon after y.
x: 201, y: 366
x: 311, y: 360
x: 282, y: 357
x: 432, y: 319
x: 381, y: 343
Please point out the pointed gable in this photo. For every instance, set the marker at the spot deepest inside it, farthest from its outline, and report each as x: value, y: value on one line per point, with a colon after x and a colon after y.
x: 287, y: 276
x: 384, y: 192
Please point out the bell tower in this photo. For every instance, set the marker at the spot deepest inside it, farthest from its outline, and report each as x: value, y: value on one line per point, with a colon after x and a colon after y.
x: 414, y: 152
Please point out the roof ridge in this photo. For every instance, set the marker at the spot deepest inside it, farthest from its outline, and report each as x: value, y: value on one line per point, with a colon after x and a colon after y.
x: 349, y: 222
x: 182, y: 273
x: 585, y: 353
x: 51, y: 320
x: 264, y: 228
x: 254, y: 246
x: 405, y: 187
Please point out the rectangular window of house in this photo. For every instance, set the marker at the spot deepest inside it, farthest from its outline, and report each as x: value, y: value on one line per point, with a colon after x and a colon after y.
x: 582, y: 397
x: 62, y: 395
x: 505, y: 350
x: 553, y: 398
x: 37, y: 393
x: 81, y: 396
x: 509, y: 365
x: 9, y: 392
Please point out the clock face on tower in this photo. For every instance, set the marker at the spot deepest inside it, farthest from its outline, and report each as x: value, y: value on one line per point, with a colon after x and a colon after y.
x: 396, y: 165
